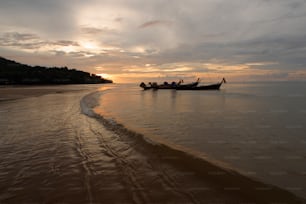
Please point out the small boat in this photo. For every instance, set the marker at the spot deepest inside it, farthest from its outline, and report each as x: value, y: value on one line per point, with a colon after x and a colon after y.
x: 206, y: 87
x: 145, y: 87
x: 166, y: 85
x: 180, y: 86
x: 186, y: 86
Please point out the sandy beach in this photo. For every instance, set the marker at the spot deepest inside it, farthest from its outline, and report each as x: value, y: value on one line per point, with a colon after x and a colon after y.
x: 19, y: 92
x: 51, y: 152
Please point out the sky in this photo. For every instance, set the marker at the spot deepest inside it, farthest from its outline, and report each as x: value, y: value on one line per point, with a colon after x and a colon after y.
x: 143, y: 40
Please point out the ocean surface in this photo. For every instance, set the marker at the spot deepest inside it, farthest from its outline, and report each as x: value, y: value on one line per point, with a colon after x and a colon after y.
x: 116, y: 143
x: 258, y: 129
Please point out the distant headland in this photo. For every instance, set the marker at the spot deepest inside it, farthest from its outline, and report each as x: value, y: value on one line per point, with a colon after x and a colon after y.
x: 14, y: 73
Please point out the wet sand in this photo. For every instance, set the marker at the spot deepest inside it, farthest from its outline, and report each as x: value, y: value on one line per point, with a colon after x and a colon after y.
x: 18, y: 92
x: 53, y: 153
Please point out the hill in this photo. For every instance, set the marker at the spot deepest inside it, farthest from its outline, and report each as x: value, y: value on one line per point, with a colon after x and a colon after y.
x: 12, y: 72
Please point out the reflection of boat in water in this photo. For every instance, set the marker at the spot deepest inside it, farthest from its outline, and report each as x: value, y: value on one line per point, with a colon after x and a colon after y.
x: 180, y: 86
x: 205, y: 87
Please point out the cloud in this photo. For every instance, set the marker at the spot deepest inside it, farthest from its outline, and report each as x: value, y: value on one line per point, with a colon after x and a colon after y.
x: 95, y: 30
x: 55, y: 19
x: 30, y: 41
x: 155, y: 23
x: 64, y: 43
x: 118, y: 19
x: 91, y: 30
x: 127, y: 34
x: 21, y: 36
x: 21, y: 40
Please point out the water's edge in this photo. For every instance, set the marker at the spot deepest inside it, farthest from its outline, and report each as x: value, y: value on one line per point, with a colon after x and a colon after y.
x: 227, y: 178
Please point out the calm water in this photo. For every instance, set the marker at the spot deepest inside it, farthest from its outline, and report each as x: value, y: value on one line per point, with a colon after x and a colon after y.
x: 257, y: 128
x: 54, y: 151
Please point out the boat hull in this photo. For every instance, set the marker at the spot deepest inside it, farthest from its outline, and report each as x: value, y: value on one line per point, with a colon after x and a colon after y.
x: 207, y: 87
x: 147, y: 88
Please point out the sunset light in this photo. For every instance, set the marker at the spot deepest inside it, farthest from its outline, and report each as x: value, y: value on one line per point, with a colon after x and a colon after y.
x: 106, y: 76
x: 139, y: 40
x: 153, y: 101
x: 89, y: 45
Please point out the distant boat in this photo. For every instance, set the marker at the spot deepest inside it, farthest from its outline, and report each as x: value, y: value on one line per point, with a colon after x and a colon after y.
x: 180, y: 86
x: 188, y: 86
x: 144, y: 86
x: 205, y: 87
x: 166, y: 85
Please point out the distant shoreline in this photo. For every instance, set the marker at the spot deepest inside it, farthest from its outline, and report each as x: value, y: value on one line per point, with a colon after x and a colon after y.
x: 14, y: 73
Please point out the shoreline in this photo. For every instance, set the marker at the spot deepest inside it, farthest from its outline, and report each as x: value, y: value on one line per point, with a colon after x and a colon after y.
x: 15, y: 92
x: 226, y: 179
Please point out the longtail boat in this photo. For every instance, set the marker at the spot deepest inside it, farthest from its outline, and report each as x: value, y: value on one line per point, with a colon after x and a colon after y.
x: 144, y: 86
x: 180, y: 86
x: 205, y: 87
x: 165, y: 85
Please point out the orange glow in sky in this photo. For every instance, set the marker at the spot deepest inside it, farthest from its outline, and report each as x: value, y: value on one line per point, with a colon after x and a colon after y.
x: 132, y: 41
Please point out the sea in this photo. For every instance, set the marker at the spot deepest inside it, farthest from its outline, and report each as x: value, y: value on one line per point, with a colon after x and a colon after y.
x: 116, y: 143
x: 257, y: 129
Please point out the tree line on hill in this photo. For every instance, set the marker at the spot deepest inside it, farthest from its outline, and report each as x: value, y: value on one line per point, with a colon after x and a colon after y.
x: 12, y: 72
